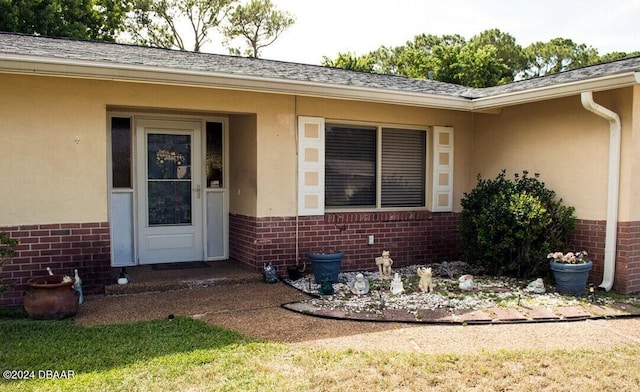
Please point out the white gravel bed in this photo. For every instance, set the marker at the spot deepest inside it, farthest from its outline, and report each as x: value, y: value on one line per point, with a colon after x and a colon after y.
x: 488, y: 292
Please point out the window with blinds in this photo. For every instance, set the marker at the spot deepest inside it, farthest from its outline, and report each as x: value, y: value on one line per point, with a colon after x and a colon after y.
x: 352, y: 156
x: 350, y: 166
x: 403, y: 168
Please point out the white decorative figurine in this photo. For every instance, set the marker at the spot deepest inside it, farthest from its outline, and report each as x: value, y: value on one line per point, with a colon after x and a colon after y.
x: 537, y: 286
x: 360, y: 285
x: 426, y: 284
x: 77, y: 286
x: 384, y: 263
x: 396, y: 285
x: 466, y: 282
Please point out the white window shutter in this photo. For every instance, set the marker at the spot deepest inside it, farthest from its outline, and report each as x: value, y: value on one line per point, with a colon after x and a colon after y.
x: 310, y: 166
x: 442, y: 169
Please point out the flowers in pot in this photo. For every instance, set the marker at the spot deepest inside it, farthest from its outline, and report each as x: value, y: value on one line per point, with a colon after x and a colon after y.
x: 571, y: 271
x: 569, y: 257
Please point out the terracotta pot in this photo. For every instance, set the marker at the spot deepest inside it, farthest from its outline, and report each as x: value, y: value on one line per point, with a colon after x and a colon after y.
x: 49, y: 298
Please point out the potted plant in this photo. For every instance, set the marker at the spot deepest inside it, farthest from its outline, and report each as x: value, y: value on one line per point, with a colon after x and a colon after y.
x: 571, y: 271
x: 51, y: 297
x: 326, y: 263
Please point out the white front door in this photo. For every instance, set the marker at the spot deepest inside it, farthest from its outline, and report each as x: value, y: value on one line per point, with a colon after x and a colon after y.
x: 170, y: 194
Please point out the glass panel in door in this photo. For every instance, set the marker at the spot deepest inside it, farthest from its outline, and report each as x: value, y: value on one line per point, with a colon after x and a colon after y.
x: 169, y: 179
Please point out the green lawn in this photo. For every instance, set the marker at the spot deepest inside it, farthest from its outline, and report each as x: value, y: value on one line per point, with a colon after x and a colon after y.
x: 185, y: 354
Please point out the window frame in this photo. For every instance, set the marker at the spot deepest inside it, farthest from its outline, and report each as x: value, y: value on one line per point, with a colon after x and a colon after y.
x: 378, y: 165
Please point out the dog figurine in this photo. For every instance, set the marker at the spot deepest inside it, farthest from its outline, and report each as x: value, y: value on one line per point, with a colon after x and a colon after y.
x: 426, y: 284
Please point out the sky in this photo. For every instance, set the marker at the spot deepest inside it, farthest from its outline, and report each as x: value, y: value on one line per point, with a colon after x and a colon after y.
x: 327, y: 27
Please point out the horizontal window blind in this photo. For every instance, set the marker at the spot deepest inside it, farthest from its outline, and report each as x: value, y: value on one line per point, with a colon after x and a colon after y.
x: 403, y: 168
x: 350, y: 166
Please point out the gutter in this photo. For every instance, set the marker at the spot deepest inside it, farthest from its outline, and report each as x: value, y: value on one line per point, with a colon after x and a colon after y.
x: 83, y: 69
x: 613, y: 188
x: 554, y: 91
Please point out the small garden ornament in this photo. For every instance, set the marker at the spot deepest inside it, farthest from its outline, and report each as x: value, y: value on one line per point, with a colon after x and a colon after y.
x: 396, y: 285
x: 360, y: 285
x: 326, y: 287
x: 384, y: 263
x: 445, y: 270
x: 270, y: 273
x: 77, y: 286
x: 537, y: 286
x: 426, y: 283
x: 466, y: 282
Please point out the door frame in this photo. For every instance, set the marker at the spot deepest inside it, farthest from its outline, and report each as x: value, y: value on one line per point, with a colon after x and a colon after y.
x: 131, y: 239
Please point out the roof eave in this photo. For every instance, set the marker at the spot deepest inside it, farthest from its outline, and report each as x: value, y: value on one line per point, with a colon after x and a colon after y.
x: 561, y: 90
x: 169, y: 76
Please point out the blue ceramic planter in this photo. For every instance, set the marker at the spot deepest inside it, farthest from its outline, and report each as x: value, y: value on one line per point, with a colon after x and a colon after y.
x: 326, y: 264
x: 571, y: 278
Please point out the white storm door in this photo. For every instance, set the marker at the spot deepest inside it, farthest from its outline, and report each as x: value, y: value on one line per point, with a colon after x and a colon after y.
x: 169, y: 191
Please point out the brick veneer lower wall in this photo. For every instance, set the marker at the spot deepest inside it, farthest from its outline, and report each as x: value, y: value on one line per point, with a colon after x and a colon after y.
x: 62, y: 247
x: 590, y: 235
x: 412, y: 237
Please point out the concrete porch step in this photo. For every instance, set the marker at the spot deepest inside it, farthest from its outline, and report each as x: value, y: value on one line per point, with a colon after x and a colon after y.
x: 144, y: 279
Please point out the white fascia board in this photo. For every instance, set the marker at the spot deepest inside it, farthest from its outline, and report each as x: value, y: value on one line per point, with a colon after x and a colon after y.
x: 609, y: 82
x: 169, y: 76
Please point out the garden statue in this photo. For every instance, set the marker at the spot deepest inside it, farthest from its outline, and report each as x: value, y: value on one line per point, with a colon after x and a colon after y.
x: 270, y: 273
x: 123, y: 278
x: 426, y: 284
x: 537, y: 286
x: 360, y: 285
x: 77, y: 286
x: 466, y: 282
x: 396, y: 285
x: 445, y: 270
x: 326, y: 287
x: 384, y: 263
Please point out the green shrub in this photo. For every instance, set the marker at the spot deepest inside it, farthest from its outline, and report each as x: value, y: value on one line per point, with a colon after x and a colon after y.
x: 7, y: 251
x: 509, y: 226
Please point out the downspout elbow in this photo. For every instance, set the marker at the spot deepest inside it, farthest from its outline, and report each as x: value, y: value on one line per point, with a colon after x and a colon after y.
x: 613, y: 187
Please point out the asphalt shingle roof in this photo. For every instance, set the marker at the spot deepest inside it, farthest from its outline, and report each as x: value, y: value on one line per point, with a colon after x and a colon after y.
x: 215, y: 64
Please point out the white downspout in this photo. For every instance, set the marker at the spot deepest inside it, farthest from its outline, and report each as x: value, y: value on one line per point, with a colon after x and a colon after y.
x: 613, y: 185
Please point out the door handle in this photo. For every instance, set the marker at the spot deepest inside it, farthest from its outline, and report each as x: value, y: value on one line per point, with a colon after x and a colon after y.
x: 198, y: 190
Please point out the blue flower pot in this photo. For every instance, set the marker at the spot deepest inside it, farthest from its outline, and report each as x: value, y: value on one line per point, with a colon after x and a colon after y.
x: 571, y: 278
x: 326, y: 264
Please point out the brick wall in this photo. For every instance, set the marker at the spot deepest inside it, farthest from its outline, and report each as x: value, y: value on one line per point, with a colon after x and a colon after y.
x: 412, y: 237
x: 61, y: 247
x: 590, y: 235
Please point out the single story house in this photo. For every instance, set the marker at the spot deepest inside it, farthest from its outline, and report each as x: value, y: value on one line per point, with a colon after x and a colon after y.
x: 117, y: 155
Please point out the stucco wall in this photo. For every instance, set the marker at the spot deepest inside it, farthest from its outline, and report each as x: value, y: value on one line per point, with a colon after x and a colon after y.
x: 54, y: 129
x: 243, y: 187
x: 566, y: 144
x: 52, y: 143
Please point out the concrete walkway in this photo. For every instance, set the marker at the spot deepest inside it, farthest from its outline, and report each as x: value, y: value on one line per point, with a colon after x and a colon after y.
x: 242, y: 302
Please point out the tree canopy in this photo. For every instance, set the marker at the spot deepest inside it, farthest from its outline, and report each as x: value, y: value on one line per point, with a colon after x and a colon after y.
x: 83, y: 19
x: 189, y: 24
x: 258, y: 24
x: 488, y: 59
x: 248, y: 25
